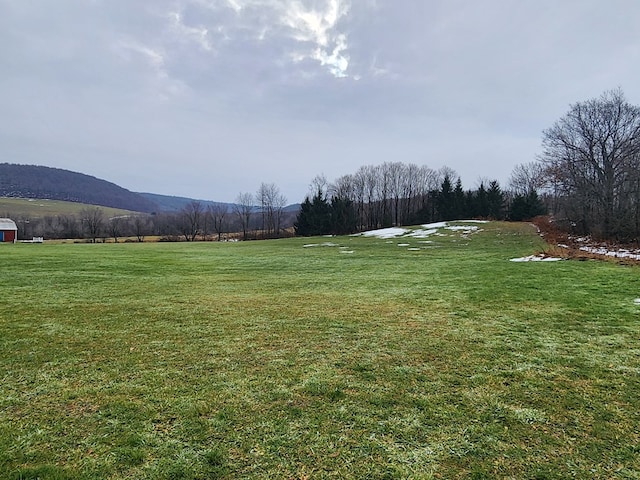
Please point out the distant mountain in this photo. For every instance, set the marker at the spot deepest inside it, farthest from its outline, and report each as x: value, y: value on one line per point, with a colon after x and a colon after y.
x: 168, y: 203
x: 32, y: 181
x: 174, y: 204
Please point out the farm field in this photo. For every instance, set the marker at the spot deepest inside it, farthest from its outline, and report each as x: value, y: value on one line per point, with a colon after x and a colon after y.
x: 413, y: 357
x: 39, y: 208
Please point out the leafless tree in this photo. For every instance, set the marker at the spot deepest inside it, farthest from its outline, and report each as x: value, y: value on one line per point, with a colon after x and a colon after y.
x: 140, y: 226
x: 190, y: 219
x: 593, y: 153
x: 218, y: 214
x: 115, y: 226
x: 244, y: 208
x: 271, y: 204
x: 526, y: 177
x: 92, y: 219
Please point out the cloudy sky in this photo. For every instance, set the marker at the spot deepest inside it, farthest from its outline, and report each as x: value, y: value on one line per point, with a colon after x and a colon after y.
x: 210, y: 98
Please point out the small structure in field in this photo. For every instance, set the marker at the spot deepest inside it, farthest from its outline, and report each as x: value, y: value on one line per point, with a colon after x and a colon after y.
x: 8, y: 230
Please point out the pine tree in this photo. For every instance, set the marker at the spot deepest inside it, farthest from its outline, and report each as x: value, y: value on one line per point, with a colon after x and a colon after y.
x: 445, y: 200
x: 495, y: 200
x: 314, y: 217
x: 459, y: 210
x: 343, y: 216
x: 481, y: 202
x: 525, y: 207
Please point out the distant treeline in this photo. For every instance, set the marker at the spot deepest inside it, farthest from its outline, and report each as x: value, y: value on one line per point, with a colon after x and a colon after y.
x: 588, y: 178
x: 196, y: 220
x: 406, y: 194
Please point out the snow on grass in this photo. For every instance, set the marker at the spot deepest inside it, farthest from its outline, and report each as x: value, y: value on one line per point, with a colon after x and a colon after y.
x: 462, y: 228
x: 620, y: 253
x: 384, y: 233
x: 425, y: 231
x: 536, y: 258
x: 422, y: 233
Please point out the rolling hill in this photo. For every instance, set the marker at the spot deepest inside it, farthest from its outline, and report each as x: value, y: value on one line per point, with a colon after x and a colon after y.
x: 33, y: 181
x: 46, y: 183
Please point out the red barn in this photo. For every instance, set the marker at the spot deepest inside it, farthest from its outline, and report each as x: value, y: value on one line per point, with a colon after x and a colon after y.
x: 8, y: 230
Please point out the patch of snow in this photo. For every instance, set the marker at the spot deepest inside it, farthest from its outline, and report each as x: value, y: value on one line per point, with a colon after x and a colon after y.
x: 623, y: 253
x: 426, y: 230
x: 436, y: 225
x: 325, y: 244
x: 419, y: 233
x: 404, y: 244
x: 464, y: 228
x: 384, y: 233
x: 413, y: 249
x: 346, y: 251
x: 536, y: 258
x: 637, y: 301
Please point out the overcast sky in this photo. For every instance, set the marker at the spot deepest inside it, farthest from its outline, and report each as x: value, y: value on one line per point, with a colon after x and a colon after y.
x: 210, y: 98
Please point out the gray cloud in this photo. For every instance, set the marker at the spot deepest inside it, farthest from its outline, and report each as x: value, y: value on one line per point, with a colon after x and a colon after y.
x: 208, y: 98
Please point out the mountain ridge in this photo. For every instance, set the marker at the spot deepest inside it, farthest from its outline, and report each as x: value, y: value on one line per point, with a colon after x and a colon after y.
x: 42, y: 182
x: 38, y: 181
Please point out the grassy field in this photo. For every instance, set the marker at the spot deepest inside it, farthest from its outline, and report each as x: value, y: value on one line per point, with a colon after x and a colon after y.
x: 35, y: 208
x: 353, y: 358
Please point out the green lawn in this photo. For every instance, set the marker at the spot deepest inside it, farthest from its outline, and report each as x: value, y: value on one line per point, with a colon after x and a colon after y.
x: 275, y: 360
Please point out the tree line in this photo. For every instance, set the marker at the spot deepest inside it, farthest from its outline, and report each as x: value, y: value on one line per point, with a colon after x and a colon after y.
x: 396, y: 193
x: 587, y: 177
x: 260, y: 215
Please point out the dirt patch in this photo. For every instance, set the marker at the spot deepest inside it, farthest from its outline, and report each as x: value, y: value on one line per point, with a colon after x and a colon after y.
x: 564, y: 245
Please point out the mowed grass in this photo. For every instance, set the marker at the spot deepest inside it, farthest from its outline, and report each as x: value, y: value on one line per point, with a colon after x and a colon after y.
x: 275, y: 360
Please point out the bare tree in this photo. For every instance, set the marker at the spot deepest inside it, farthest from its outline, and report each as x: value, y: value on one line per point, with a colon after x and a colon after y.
x: 526, y: 177
x: 218, y: 214
x: 92, y: 221
x: 593, y: 152
x: 319, y: 184
x: 140, y: 227
x: 115, y: 227
x: 279, y: 202
x: 244, y: 208
x: 191, y: 220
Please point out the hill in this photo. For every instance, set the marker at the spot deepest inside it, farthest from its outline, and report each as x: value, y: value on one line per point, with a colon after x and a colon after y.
x: 167, y: 203
x: 34, y: 181
x: 30, y: 208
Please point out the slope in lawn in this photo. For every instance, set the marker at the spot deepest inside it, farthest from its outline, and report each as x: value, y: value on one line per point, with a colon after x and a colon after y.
x: 272, y: 360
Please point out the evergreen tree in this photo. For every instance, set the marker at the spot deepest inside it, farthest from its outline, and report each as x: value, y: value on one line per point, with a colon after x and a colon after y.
x: 314, y: 217
x: 343, y: 216
x: 470, y: 204
x: 459, y: 205
x: 481, y: 202
x: 495, y: 200
x: 445, y: 200
x: 525, y: 207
